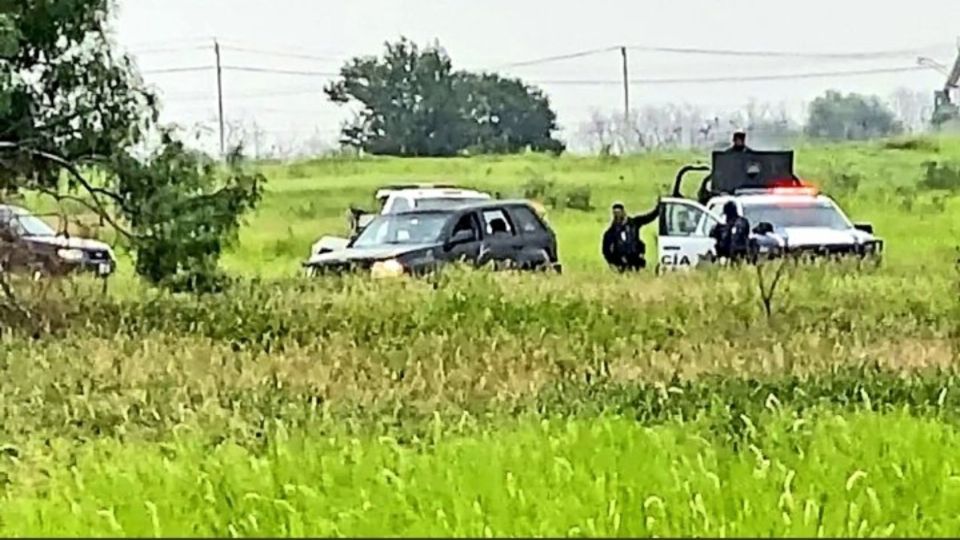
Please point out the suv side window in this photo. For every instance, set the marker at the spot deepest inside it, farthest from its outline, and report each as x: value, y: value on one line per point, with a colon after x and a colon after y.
x: 468, y: 223
x: 678, y: 219
x: 495, y: 222
x: 527, y: 221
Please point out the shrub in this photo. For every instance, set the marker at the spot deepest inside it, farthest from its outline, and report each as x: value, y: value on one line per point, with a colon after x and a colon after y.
x: 939, y: 176
x: 538, y: 187
x: 917, y: 144
x: 578, y: 198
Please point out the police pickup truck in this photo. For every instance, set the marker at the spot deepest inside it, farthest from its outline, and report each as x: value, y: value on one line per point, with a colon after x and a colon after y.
x: 786, y: 215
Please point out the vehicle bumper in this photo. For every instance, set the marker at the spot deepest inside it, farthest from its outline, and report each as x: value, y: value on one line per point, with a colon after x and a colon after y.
x: 874, y: 249
x: 99, y: 268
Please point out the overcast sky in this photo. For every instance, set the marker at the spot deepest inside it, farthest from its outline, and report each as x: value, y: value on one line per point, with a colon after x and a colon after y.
x: 171, y: 34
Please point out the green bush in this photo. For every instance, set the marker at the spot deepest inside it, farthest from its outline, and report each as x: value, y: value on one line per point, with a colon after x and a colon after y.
x: 578, y: 198
x: 538, y: 188
x: 941, y: 176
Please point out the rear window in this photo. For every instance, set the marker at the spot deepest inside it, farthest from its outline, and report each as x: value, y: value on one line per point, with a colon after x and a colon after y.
x: 527, y: 221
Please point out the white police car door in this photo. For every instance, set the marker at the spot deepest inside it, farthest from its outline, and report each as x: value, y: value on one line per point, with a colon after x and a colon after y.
x: 684, y: 234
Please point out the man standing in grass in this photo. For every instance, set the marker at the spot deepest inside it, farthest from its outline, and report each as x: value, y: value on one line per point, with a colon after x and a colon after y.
x: 622, y: 246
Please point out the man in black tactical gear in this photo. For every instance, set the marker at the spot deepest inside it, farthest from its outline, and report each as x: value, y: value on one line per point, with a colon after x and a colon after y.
x: 622, y: 246
x: 733, y: 235
x: 705, y: 193
x: 739, y: 142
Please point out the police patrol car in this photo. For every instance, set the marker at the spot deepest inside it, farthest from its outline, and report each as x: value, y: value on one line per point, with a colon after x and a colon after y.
x: 786, y: 215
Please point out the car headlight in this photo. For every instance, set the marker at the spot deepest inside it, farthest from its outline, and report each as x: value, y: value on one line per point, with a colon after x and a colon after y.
x: 72, y: 255
x: 386, y: 269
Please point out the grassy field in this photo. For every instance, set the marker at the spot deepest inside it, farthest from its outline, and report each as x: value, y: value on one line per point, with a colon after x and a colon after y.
x: 477, y: 404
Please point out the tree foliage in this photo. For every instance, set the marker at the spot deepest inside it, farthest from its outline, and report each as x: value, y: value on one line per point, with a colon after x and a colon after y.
x: 183, y: 210
x: 506, y: 115
x: 413, y: 103
x: 850, y: 117
x: 72, y: 104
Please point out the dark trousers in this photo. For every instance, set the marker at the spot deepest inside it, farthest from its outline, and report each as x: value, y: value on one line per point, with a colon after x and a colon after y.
x: 630, y: 263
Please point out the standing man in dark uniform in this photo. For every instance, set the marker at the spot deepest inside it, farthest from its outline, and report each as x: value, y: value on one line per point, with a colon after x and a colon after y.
x: 739, y: 142
x: 733, y: 235
x: 739, y: 145
x: 622, y: 246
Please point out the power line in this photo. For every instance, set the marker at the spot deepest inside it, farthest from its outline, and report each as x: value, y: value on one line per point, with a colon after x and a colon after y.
x: 247, y: 69
x: 306, y: 73
x: 594, y: 82
x: 557, y: 58
x: 170, y: 42
x: 196, y: 96
x: 787, y: 54
x: 280, y: 54
x: 745, y: 78
x: 169, y: 50
x: 177, y: 70
x: 872, y: 55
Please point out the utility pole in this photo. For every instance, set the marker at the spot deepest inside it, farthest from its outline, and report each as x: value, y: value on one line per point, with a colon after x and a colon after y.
x: 626, y: 87
x: 216, y: 50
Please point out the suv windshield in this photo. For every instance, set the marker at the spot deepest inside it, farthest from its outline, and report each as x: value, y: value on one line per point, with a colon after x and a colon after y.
x: 440, y: 203
x: 420, y: 228
x: 814, y: 214
x: 27, y: 224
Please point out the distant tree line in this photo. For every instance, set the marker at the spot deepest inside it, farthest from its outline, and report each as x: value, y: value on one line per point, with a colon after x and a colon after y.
x: 832, y: 116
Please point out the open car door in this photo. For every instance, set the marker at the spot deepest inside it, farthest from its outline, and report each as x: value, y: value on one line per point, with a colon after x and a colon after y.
x: 684, y: 235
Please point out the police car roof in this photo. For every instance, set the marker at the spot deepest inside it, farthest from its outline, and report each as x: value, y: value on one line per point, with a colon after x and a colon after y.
x: 420, y: 192
x: 491, y: 204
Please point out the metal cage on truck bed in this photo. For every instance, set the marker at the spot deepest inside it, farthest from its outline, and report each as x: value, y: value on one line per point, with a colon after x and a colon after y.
x: 732, y: 171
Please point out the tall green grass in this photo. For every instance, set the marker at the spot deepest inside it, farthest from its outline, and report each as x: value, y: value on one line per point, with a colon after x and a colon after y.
x: 812, y: 475
x: 472, y: 403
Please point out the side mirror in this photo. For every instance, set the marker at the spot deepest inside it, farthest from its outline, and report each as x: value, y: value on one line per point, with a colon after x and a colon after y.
x: 763, y: 227
x: 865, y: 227
x: 460, y: 237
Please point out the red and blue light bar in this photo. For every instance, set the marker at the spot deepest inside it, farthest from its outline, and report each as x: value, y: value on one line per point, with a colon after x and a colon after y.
x: 786, y: 186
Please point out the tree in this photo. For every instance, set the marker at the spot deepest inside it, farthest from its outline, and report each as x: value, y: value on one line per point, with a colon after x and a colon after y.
x: 183, y: 210
x: 850, y: 117
x: 73, y: 106
x: 414, y: 104
x: 505, y: 115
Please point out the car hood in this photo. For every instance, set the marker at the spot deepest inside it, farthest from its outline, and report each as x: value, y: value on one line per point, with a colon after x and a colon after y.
x: 72, y: 242
x: 816, y: 236
x: 373, y: 253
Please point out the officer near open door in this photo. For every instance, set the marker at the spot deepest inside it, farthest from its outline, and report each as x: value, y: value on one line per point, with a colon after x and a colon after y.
x: 733, y: 235
x: 623, y: 247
